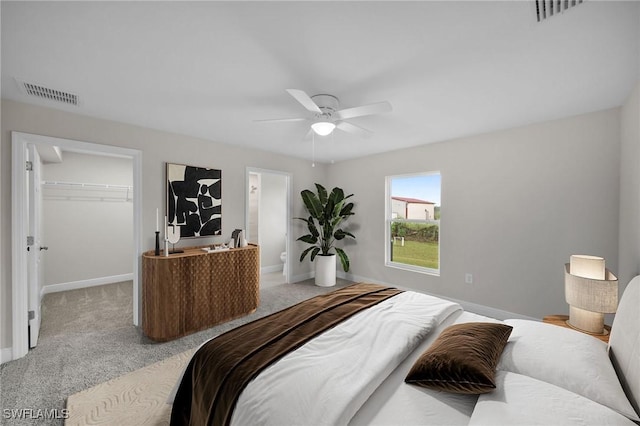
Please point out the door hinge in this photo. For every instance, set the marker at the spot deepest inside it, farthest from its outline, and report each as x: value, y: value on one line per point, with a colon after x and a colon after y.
x: 29, y: 166
x: 30, y: 240
x: 32, y: 315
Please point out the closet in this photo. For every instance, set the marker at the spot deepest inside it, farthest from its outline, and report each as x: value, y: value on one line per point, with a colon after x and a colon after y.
x: 87, y: 221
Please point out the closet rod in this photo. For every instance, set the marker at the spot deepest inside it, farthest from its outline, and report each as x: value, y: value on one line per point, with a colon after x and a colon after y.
x: 69, y: 185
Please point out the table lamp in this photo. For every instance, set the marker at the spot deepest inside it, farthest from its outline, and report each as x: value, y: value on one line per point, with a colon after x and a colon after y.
x: 591, y: 291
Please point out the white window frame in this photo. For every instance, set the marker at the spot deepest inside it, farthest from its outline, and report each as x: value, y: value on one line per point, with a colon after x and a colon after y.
x: 388, y: 220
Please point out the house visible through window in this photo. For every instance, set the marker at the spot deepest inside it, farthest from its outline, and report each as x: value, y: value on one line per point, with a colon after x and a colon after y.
x: 413, y: 222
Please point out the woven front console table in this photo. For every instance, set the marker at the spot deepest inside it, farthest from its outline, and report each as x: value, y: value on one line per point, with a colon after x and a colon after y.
x: 187, y: 292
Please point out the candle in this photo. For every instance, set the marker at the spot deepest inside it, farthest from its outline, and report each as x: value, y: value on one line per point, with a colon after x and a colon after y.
x: 157, y: 222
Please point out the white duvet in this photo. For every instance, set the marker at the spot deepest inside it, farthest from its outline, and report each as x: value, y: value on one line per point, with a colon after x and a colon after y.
x: 328, y: 379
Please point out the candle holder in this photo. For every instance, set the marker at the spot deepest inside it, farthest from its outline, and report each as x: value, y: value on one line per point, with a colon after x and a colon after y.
x: 157, y: 252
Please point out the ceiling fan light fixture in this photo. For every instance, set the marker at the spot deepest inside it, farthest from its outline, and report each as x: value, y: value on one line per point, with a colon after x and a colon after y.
x: 323, y: 128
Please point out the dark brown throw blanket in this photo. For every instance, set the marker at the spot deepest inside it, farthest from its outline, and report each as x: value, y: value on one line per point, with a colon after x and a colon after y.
x: 221, y: 369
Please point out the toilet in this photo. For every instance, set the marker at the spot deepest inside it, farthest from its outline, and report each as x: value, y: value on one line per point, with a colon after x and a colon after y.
x: 283, y: 259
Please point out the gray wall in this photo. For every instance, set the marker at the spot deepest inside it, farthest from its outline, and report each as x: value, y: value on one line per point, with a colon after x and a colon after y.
x: 630, y: 189
x: 515, y: 205
x: 83, y: 226
x: 272, y: 222
x: 157, y: 148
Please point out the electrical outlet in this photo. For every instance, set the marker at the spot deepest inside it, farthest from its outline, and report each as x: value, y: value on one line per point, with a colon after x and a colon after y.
x: 468, y: 278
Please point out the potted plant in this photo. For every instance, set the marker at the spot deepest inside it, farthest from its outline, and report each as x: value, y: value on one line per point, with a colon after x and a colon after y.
x: 326, y: 213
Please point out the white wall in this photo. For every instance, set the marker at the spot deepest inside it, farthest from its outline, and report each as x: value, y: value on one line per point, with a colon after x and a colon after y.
x: 273, y: 213
x: 5, y: 297
x: 515, y: 205
x: 254, y: 208
x: 569, y: 168
x: 629, y: 245
x: 88, y: 232
x: 157, y: 148
x: 420, y: 211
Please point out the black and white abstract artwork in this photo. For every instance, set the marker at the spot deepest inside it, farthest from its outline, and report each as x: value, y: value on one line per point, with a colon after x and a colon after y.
x: 194, y: 200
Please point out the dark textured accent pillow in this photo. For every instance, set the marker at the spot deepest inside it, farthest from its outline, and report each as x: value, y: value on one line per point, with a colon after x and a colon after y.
x: 462, y: 359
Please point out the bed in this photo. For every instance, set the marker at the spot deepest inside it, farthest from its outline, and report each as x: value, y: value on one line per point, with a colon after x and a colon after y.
x: 375, y: 355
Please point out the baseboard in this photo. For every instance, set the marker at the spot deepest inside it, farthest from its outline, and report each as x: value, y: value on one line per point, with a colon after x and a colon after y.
x: 487, y: 311
x: 272, y: 268
x: 74, y: 285
x: 301, y: 277
x: 6, y: 355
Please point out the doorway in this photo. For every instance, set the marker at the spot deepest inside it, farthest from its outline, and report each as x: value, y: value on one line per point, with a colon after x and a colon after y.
x: 27, y: 293
x: 267, y: 221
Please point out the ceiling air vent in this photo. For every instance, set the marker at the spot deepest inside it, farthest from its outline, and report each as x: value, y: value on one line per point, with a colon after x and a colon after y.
x: 545, y: 9
x: 43, y: 92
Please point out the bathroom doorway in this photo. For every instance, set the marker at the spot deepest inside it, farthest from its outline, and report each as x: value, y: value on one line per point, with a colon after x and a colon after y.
x: 267, y: 222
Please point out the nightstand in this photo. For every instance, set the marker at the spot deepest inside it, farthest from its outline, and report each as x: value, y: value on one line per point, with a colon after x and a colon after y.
x: 561, y: 320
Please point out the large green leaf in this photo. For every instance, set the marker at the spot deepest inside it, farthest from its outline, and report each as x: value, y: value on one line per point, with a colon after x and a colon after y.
x: 322, y: 193
x: 328, y: 210
x: 334, y: 198
x: 338, y: 193
x: 313, y: 230
x: 346, y: 210
x: 312, y: 227
x: 341, y: 234
x: 314, y: 253
x: 308, y: 239
x: 312, y: 203
x: 304, y: 253
x: 344, y: 259
x: 337, y: 209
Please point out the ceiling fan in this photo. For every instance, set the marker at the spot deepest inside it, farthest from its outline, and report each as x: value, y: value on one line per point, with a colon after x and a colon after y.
x: 328, y: 117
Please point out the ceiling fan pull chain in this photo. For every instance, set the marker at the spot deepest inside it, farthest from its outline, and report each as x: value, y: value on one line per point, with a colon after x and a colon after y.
x: 313, y: 149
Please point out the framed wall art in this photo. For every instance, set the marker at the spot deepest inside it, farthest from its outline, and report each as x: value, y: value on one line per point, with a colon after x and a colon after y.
x: 194, y: 200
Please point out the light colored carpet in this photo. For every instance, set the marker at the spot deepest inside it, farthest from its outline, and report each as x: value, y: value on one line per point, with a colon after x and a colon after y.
x: 137, y: 398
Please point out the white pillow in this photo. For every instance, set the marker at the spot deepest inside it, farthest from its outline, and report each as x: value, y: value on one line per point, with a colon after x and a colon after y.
x: 522, y: 400
x: 566, y: 358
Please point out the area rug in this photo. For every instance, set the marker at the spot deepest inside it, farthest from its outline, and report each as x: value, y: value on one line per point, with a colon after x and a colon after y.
x: 137, y: 398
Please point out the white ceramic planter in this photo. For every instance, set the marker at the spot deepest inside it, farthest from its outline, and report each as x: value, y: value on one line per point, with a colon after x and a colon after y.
x: 325, y: 270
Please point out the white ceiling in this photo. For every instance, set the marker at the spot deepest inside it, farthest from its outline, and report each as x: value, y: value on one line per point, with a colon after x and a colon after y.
x: 208, y: 69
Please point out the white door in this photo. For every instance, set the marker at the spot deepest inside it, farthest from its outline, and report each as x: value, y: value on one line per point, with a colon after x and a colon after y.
x: 36, y: 247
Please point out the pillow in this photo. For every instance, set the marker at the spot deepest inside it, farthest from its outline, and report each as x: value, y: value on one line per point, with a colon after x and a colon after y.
x: 462, y: 359
x: 522, y: 400
x: 566, y: 358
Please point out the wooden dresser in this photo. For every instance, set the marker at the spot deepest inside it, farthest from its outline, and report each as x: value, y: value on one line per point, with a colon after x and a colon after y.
x: 186, y: 292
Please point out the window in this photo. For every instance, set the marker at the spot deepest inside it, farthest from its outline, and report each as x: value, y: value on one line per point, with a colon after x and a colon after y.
x: 413, y: 222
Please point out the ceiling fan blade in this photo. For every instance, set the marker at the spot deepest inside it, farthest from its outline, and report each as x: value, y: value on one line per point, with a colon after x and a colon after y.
x: 279, y: 120
x: 375, y: 108
x: 356, y: 130
x: 305, y: 100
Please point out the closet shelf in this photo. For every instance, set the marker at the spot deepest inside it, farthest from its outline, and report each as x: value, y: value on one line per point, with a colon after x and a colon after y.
x: 91, y: 191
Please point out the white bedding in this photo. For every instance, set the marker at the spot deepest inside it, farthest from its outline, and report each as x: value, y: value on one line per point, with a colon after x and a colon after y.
x: 565, y: 358
x: 396, y: 402
x: 354, y: 374
x: 312, y: 386
x: 523, y: 400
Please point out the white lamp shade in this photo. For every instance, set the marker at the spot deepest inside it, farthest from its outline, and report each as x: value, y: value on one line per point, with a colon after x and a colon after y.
x: 323, y: 128
x: 585, y: 266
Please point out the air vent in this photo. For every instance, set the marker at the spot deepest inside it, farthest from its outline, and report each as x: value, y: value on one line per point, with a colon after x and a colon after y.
x: 545, y: 9
x: 43, y: 92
